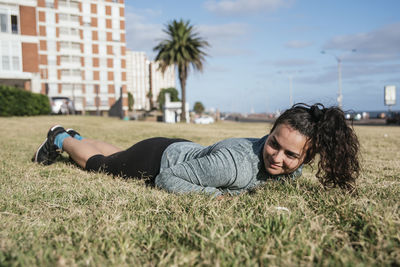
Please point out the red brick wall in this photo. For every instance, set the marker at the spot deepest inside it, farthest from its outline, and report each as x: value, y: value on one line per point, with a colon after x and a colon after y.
x: 110, y: 76
x: 96, y: 62
x: 110, y: 63
x: 28, y: 20
x: 42, y: 16
x: 108, y: 10
x: 30, y: 57
x: 93, y: 8
x: 43, y: 45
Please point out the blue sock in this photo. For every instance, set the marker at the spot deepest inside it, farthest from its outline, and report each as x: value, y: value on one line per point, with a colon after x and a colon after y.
x: 78, y: 137
x: 59, y: 140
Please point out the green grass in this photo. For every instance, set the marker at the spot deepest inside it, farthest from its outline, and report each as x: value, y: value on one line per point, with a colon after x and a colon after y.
x: 62, y: 215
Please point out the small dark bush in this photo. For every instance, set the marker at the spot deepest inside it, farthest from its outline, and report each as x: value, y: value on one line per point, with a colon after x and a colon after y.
x: 17, y: 102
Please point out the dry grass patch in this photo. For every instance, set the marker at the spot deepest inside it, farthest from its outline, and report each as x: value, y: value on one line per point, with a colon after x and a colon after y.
x: 62, y: 215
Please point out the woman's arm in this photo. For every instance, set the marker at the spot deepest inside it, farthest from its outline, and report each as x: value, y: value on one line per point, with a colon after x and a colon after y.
x: 207, y: 174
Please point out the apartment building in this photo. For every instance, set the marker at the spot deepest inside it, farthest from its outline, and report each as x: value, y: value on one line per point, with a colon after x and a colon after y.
x: 19, y: 45
x: 73, y: 48
x: 137, y: 66
x: 159, y: 80
x: 143, y: 76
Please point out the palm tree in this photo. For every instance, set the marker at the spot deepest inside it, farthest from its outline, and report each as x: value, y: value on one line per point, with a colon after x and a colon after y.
x: 184, y: 49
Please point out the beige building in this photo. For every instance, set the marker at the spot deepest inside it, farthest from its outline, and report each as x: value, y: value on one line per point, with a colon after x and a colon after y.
x: 159, y: 81
x: 66, y: 48
x: 143, y: 76
x: 137, y: 66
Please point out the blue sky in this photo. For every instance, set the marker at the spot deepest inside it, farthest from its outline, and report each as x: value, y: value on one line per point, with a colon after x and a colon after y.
x: 256, y: 45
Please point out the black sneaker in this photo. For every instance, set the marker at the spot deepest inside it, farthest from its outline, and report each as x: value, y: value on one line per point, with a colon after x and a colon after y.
x: 48, y: 152
x: 72, y: 132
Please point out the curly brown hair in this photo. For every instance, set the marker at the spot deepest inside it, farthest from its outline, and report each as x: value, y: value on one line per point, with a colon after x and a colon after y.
x: 331, y: 138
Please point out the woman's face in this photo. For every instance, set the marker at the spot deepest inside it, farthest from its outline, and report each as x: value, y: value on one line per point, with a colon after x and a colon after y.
x: 284, y: 151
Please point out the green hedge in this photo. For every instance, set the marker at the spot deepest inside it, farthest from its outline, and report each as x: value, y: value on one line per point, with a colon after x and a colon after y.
x: 17, y: 102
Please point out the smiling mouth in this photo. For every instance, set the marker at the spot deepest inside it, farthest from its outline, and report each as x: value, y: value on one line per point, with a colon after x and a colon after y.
x: 275, y: 166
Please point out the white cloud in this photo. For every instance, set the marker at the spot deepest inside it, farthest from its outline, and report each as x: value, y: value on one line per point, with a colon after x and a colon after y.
x: 379, y: 45
x: 298, y: 44
x: 294, y: 62
x: 225, y: 39
x: 141, y: 34
x: 223, y: 32
x: 243, y: 7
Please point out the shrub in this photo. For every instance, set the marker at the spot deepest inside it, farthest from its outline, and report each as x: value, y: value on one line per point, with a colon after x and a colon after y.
x: 131, y: 101
x: 198, y: 108
x: 161, y: 96
x: 17, y: 102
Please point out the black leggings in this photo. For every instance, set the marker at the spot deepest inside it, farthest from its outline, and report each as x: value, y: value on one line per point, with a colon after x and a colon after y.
x: 142, y: 160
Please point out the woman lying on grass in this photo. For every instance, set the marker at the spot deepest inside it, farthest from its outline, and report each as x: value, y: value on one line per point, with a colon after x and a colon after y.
x: 229, y: 166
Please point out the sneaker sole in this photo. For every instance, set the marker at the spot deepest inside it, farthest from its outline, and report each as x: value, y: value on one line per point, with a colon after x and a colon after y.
x: 34, y: 159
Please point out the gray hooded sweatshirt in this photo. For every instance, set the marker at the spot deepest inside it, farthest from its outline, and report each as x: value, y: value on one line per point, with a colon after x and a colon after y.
x: 230, y: 167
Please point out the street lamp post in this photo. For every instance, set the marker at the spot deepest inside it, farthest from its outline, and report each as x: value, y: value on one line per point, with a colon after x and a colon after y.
x: 291, y: 91
x: 339, y: 62
x: 290, y: 77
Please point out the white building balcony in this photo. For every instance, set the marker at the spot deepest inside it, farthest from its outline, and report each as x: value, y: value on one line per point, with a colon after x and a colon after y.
x: 71, y: 9
x: 69, y: 37
x: 69, y: 23
x: 71, y: 79
x: 70, y: 65
x: 70, y: 51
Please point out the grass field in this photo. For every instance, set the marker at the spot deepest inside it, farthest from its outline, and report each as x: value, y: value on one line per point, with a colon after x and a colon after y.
x: 61, y: 215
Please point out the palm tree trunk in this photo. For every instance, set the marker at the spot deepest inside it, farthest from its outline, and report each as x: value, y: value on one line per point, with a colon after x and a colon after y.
x: 182, y: 80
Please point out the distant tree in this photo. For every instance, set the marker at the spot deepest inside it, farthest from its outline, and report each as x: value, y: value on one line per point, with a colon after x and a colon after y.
x: 150, y: 97
x: 161, y: 96
x: 198, y: 108
x: 184, y: 49
x: 131, y: 101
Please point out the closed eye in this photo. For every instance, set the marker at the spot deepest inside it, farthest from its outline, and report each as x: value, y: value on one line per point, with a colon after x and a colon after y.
x: 274, y: 144
x: 292, y: 155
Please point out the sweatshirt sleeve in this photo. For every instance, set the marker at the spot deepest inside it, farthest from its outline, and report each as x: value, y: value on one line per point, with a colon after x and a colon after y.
x: 208, y: 174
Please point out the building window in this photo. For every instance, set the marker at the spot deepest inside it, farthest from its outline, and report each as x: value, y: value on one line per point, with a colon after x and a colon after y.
x: 75, y: 18
x: 63, y: 16
x: 66, y: 86
x: 76, y: 73
x: 63, y: 30
x: 64, y: 44
x: 74, y: 4
x: 76, y: 46
x: 14, y: 24
x: 62, y: 3
x: 50, y: 3
x: 74, y: 31
x: 64, y: 59
x: 15, y: 62
x: 3, y: 21
x: 65, y: 73
x: 5, y: 62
